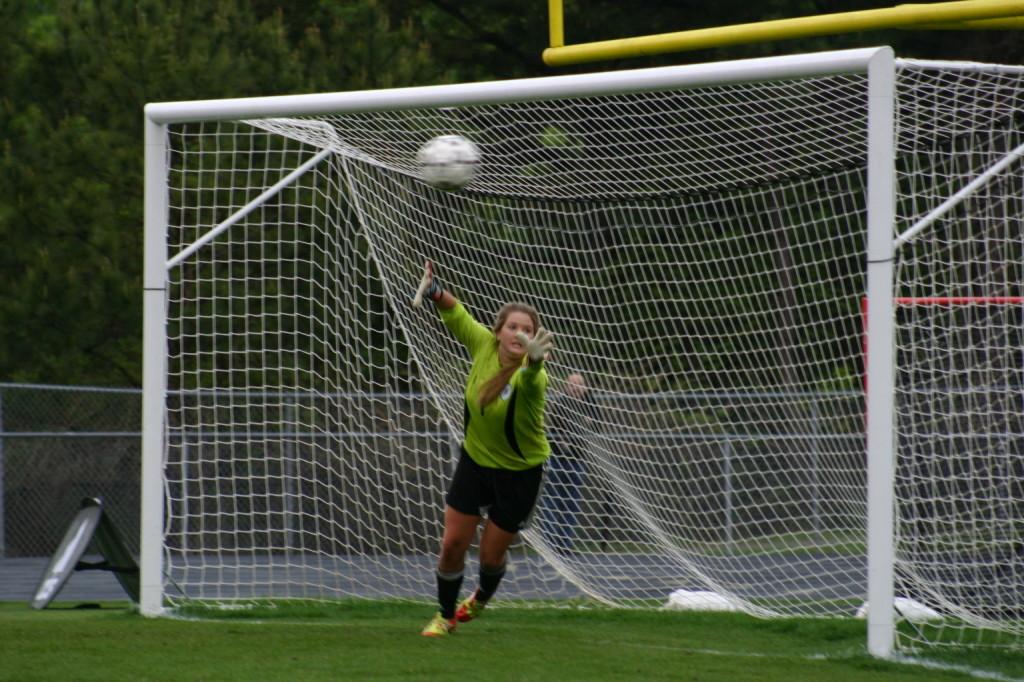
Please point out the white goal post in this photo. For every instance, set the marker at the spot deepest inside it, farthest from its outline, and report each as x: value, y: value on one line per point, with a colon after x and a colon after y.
x: 700, y: 239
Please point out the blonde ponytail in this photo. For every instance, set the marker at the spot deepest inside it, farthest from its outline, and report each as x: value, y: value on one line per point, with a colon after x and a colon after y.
x: 492, y: 389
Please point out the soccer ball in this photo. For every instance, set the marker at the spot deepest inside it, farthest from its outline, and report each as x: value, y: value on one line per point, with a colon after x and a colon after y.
x: 448, y: 162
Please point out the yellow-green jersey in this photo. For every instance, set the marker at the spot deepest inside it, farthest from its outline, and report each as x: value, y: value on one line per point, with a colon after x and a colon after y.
x: 508, y: 433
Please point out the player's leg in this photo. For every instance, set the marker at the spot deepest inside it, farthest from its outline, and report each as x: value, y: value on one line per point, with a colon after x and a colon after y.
x: 459, y: 529
x: 467, y: 494
x: 514, y: 500
x: 494, y: 544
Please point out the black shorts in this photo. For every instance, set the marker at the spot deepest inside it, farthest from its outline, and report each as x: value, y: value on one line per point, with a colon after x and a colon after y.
x: 506, y: 495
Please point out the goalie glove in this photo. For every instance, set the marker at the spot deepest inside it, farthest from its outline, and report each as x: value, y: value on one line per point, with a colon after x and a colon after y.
x: 539, y: 346
x: 428, y: 286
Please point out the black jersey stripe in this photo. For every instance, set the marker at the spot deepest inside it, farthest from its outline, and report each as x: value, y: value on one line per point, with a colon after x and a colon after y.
x: 510, y: 425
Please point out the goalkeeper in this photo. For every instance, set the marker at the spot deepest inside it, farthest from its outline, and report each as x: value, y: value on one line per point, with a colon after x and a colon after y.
x: 503, y: 453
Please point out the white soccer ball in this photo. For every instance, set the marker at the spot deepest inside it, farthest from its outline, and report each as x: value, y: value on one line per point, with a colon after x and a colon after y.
x: 448, y: 162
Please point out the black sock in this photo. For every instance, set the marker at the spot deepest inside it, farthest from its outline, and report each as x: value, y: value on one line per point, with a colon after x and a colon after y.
x: 490, y: 576
x: 448, y: 586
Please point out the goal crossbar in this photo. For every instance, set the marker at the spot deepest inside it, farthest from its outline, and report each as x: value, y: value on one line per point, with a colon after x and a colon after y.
x: 528, y: 89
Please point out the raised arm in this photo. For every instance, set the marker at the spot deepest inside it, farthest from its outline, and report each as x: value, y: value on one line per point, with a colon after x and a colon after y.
x: 431, y: 289
x: 468, y: 331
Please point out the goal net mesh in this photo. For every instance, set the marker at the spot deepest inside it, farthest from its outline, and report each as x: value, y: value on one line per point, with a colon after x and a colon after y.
x: 960, y: 357
x: 700, y: 256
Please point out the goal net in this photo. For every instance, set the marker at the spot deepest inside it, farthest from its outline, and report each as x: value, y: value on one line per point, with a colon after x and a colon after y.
x: 958, y: 484
x: 698, y: 246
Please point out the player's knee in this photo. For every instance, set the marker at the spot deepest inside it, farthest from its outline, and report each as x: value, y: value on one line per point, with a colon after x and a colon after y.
x: 453, y: 550
x: 489, y: 558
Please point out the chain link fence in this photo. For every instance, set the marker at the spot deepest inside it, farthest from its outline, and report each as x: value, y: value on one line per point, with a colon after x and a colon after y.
x: 58, y: 445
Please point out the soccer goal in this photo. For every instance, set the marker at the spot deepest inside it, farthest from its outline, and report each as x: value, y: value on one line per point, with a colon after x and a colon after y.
x: 700, y: 238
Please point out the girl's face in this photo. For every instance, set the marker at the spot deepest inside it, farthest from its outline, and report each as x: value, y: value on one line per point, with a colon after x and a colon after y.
x: 508, y: 344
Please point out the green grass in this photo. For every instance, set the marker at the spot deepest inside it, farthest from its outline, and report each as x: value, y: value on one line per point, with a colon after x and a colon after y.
x: 380, y: 641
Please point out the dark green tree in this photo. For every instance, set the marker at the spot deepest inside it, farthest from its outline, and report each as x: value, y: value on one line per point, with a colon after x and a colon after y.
x: 75, y: 80
x: 75, y: 76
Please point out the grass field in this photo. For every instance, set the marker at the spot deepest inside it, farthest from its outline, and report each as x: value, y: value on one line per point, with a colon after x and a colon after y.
x: 381, y: 641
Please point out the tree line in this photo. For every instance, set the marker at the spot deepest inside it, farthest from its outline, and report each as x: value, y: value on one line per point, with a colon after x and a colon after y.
x: 76, y: 74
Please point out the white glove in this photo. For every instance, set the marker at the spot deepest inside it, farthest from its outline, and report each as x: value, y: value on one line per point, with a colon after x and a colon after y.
x: 539, y: 346
x: 428, y: 286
